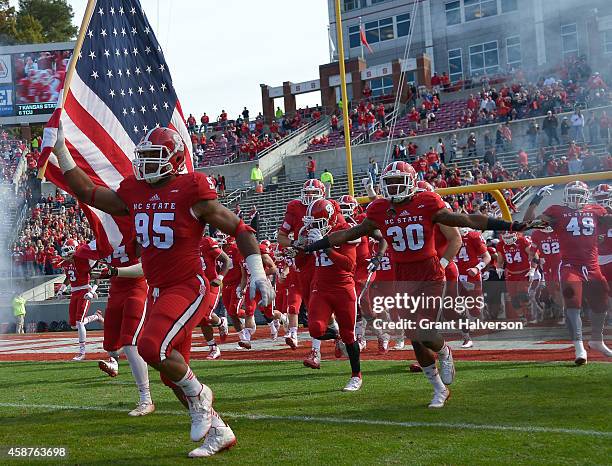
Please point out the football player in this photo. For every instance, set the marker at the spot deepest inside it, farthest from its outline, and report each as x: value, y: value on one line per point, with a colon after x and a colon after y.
x: 215, y: 264
x: 472, y: 259
x: 76, y: 268
x: 169, y: 209
x: 333, y: 289
x: 299, y: 292
x: 514, y: 262
x: 576, y: 224
x: 406, y: 219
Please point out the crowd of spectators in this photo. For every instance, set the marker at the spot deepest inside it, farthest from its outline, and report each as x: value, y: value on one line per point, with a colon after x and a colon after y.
x: 244, y: 137
x: 52, y: 221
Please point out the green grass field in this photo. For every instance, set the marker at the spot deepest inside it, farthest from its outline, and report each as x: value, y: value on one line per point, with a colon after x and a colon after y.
x: 499, y: 413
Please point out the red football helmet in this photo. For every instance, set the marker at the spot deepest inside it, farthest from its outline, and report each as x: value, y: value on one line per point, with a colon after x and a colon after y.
x: 348, y: 205
x: 221, y: 238
x: 576, y: 194
x: 424, y: 186
x: 602, y: 195
x: 321, y: 214
x: 398, y: 181
x: 69, y: 247
x: 312, y: 191
x: 159, y: 154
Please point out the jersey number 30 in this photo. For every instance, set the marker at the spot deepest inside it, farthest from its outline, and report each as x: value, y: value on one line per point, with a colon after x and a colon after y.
x: 411, y: 237
x: 162, y: 236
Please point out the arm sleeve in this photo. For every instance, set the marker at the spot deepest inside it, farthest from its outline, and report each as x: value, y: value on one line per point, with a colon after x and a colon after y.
x: 286, y: 226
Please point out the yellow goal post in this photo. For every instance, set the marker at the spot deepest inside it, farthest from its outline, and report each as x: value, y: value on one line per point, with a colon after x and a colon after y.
x: 496, y: 188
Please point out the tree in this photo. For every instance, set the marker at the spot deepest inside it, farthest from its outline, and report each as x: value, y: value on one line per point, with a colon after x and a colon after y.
x: 29, y: 30
x: 53, y: 16
x: 8, y: 23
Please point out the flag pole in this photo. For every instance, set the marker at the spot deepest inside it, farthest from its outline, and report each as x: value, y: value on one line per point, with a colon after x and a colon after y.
x: 72, y: 64
x: 347, y: 130
x: 360, y: 41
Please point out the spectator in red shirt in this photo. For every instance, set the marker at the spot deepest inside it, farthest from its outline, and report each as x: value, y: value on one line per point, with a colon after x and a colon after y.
x: 433, y: 160
x: 367, y: 91
x: 191, y: 124
x: 334, y: 123
x: 412, y: 150
x: 436, y: 82
x: 413, y: 118
x: 316, y: 115
x: 311, y: 166
x: 204, y: 121
x: 380, y: 114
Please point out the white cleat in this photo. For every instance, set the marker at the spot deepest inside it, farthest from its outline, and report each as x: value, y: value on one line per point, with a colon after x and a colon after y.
x: 217, y: 440
x: 273, y: 331
x: 601, y: 347
x: 291, y: 341
x: 581, y: 354
x: 200, y: 410
x: 142, y: 409
x: 100, y: 316
x: 467, y: 343
x: 223, y: 329
x: 214, y: 353
x: 79, y: 357
x: 447, y: 368
x: 439, y: 399
x: 353, y: 384
x: 110, y: 366
x: 399, y: 345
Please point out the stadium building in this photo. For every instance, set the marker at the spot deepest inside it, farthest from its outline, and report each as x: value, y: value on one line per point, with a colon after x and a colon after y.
x: 476, y: 37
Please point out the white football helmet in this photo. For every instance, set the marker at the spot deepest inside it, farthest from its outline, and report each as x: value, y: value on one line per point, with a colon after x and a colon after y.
x: 312, y: 191
x: 398, y: 181
x: 576, y: 194
x: 602, y: 195
x: 69, y: 248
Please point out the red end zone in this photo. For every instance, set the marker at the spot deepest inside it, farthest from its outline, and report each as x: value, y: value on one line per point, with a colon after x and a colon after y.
x: 62, y: 346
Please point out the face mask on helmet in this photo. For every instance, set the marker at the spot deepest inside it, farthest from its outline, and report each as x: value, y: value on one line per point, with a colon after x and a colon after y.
x: 309, y: 195
x: 576, y: 196
x: 464, y: 231
x: 397, y: 188
x: 321, y: 224
x: 509, y: 238
x: 68, y: 249
x: 151, y: 163
x: 221, y: 238
x: 548, y: 229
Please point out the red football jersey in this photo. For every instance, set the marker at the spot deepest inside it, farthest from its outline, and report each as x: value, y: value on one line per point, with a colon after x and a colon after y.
x: 515, y: 255
x: 77, y: 270
x: 473, y: 246
x: 165, y: 227
x: 577, y: 232
x: 210, y: 252
x: 549, y: 249
x: 294, y: 218
x: 234, y: 274
x: 335, y: 272
x: 384, y: 272
x: 408, y: 227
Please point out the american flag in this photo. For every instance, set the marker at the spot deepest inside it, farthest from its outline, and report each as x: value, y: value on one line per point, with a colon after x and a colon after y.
x: 121, y: 89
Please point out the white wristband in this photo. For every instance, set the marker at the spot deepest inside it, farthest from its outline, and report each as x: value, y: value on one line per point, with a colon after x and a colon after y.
x: 444, y: 262
x: 255, y: 267
x: 481, y: 265
x: 220, y: 277
x: 94, y: 289
x: 64, y: 158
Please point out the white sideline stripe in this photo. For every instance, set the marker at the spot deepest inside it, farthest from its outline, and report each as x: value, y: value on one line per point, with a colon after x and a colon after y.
x: 333, y: 420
